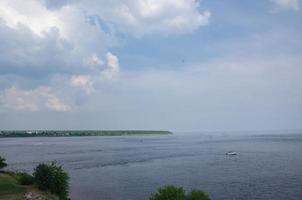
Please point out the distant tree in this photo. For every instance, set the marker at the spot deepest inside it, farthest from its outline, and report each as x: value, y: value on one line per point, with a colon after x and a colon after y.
x: 2, y: 163
x: 197, y: 195
x: 52, y: 177
x: 169, y: 192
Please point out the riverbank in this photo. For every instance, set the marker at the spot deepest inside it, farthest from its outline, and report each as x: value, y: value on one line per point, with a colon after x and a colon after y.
x: 11, y: 189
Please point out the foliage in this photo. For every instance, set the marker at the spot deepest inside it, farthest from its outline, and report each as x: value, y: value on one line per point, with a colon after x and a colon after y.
x: 197, y: 195
x: 25, y: 178
x: 8, y: 185
x: 2, y: 163
x: 171, y: 192
x: 52, y: 177
x: 10, y: 188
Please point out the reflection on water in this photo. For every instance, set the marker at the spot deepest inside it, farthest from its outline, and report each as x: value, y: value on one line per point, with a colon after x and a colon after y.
x: 268, y: 166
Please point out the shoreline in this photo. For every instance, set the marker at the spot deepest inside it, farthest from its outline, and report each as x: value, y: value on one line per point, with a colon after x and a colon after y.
x: 79, y: 133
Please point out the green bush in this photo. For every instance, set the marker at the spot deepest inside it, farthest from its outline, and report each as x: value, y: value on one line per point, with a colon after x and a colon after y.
x: 25, y: 178
x: 197, y: 195
x: 53, y: 178
x: 2, y: 163
x: 171, y: 192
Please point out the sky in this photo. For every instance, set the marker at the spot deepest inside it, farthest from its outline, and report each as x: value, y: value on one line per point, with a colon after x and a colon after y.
x: 179, y: 65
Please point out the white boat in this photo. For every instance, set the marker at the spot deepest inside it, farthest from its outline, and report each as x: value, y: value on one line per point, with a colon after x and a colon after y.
x: 231, y: 153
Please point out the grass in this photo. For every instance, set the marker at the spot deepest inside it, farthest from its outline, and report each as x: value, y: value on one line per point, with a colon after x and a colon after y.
x: 10, y: 189
x: 9, y: 186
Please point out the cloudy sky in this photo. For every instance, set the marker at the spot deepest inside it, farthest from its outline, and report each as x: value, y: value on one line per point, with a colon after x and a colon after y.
x: 181, y: 65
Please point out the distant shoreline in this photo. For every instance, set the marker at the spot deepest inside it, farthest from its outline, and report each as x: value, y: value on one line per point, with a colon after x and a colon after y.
x: 73, y: 133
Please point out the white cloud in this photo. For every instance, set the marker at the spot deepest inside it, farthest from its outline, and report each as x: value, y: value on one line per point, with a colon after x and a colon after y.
x: 33, y: 100
x: 106, y: 72
x: 54, y: 103
x: 83, y: 82
x: 139, y: 17
x: 50, y: 35
x: 285, y: 4
x: 94, y: 60
x: 74, y: 37
x: 51, y: 42
x: 112, y: 68
x: 32, y: 15
x: 65, y: 41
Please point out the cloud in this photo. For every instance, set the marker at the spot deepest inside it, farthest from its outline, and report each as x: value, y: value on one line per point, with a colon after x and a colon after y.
x: 285, y: 5
x: 112, y: 68
x: 66, y: 52
x: 30, y: 14
x: 72, y: 38
x: 83, y: 82
x: 34, y: 100
x: 38, y: 40
x: 46, y: 43
x: 108, y: 71
x: 159, y: 16
x: 139, y: 17
x: 94, y: 60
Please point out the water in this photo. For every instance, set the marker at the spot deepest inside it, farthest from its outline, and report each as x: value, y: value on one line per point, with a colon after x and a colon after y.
x: 268, y: 166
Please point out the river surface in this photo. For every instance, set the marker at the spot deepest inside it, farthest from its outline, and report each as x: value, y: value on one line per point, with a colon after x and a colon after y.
x: 268, y: 165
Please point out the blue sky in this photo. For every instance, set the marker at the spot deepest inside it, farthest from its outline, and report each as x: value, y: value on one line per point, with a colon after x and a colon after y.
x: 179, y: 65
